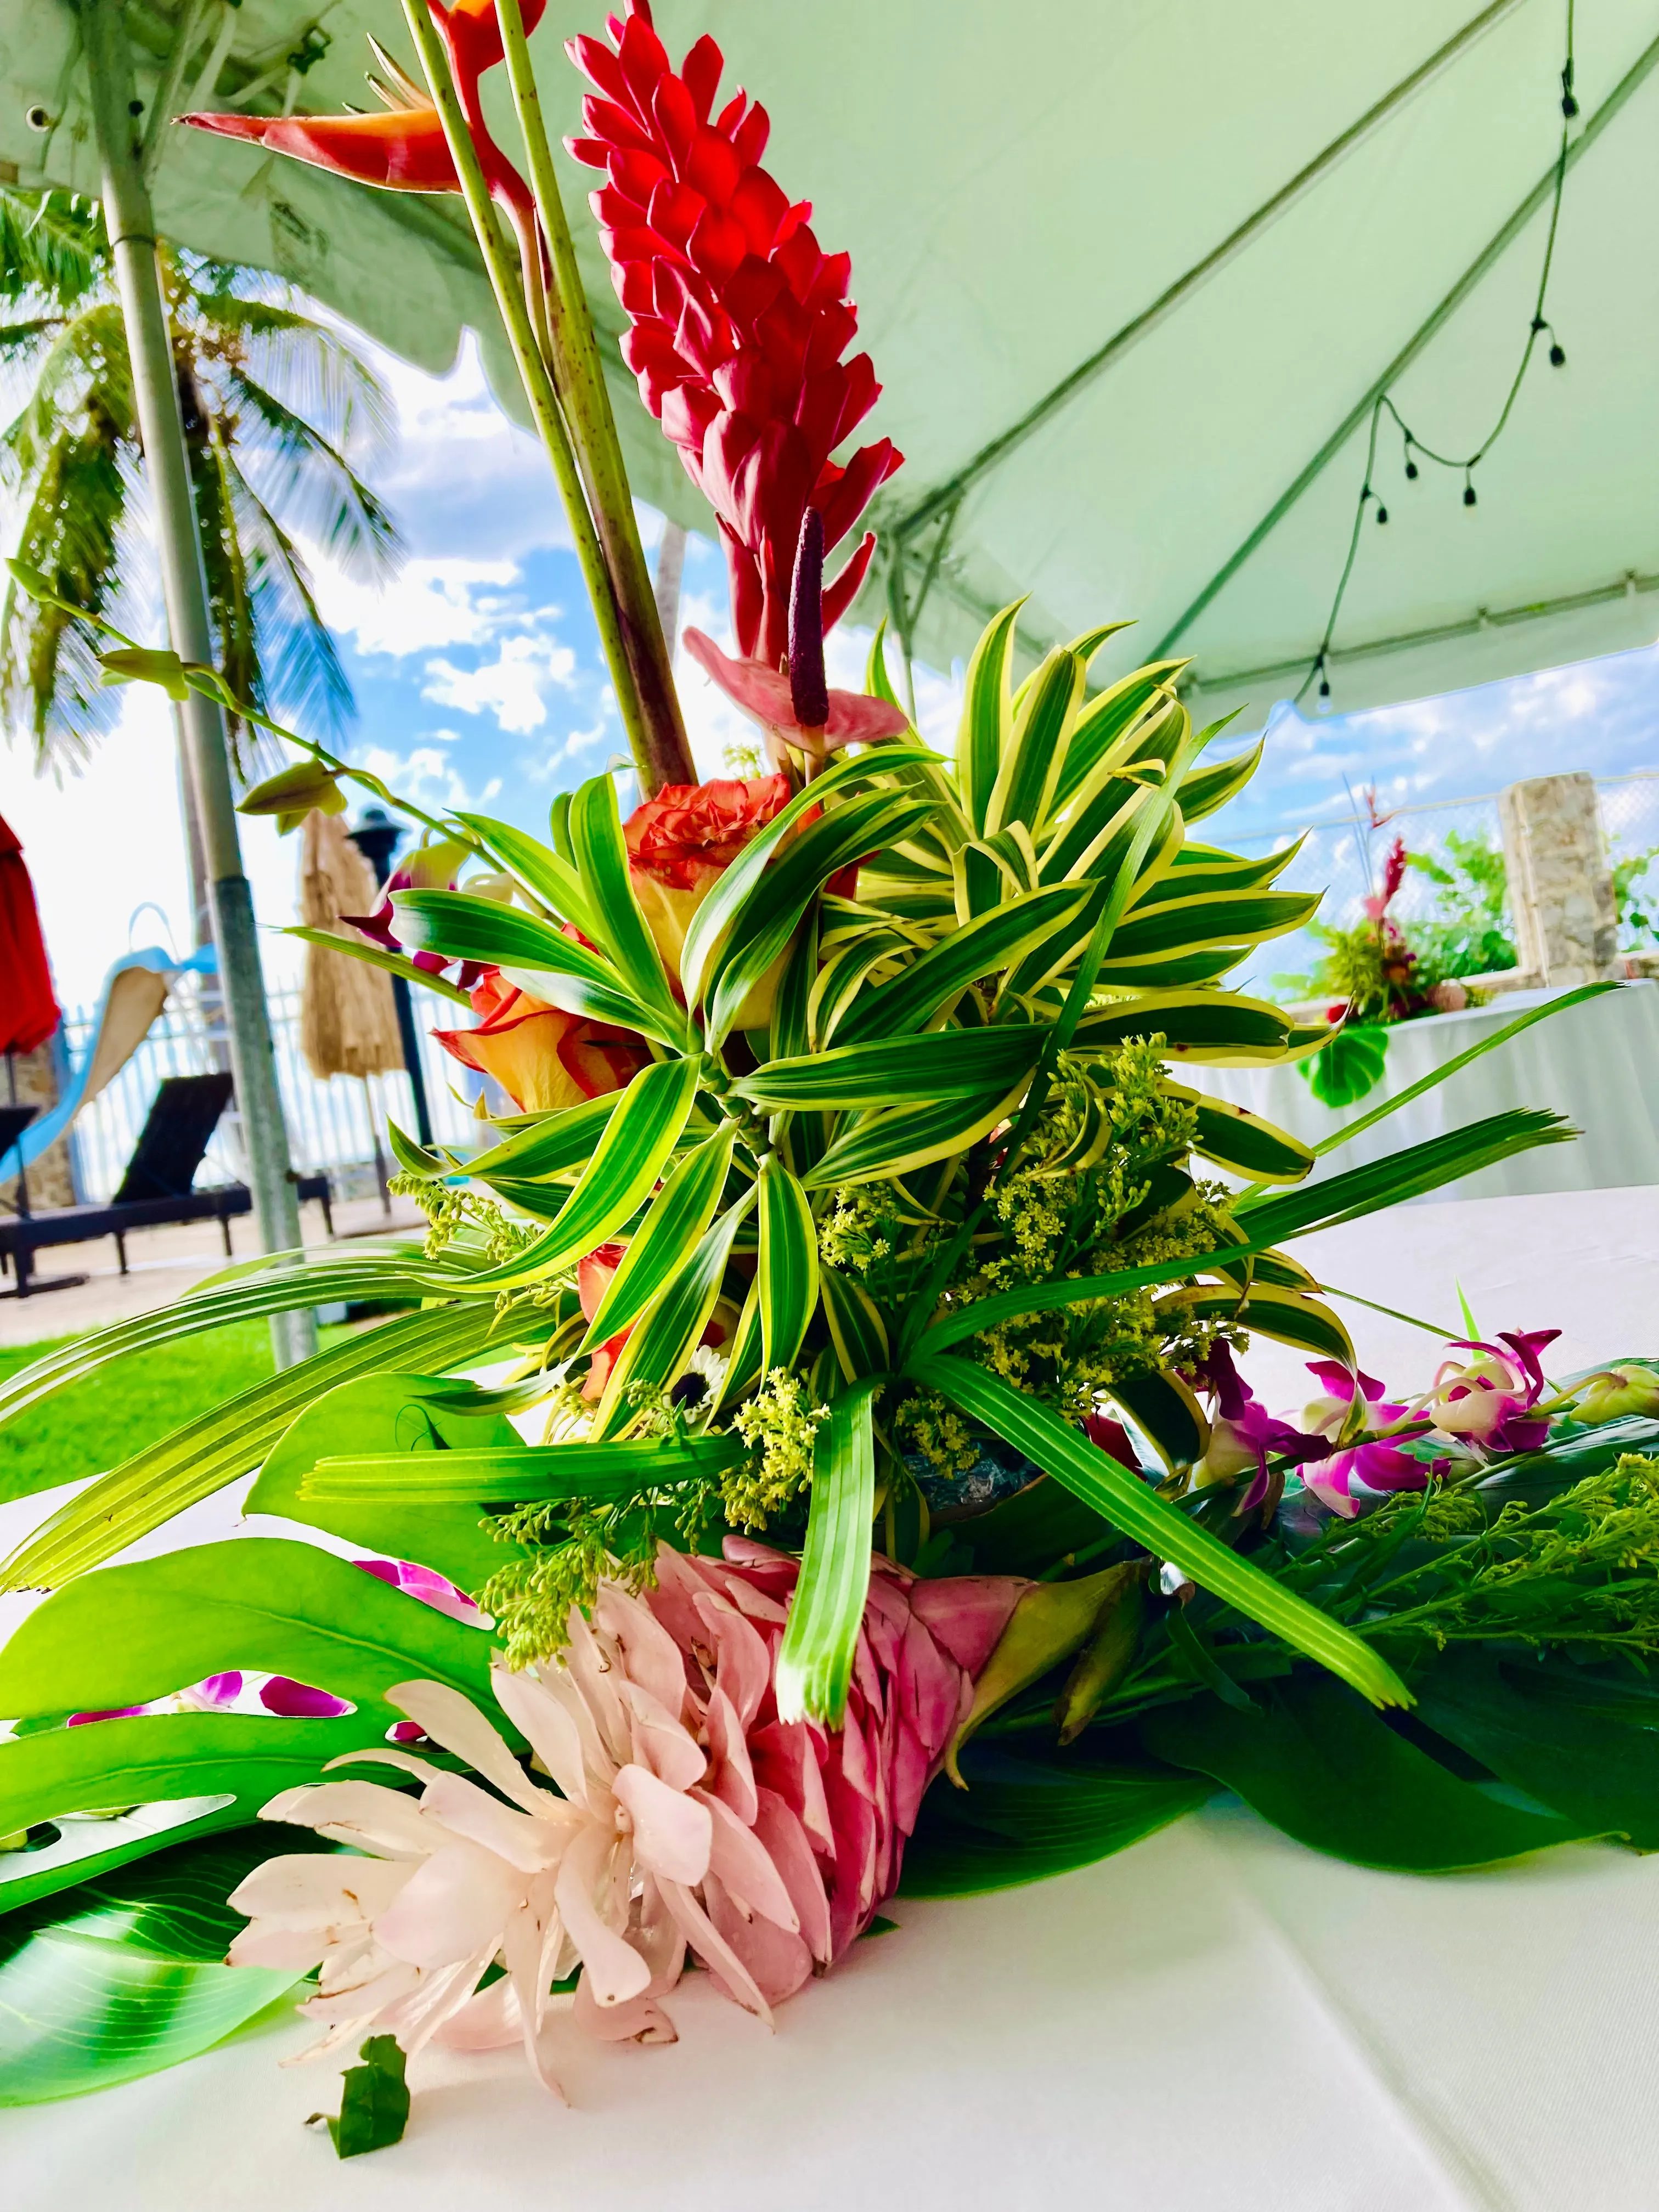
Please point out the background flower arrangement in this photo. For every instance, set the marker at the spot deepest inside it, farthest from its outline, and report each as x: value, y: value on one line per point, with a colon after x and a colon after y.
x: 870, y: 1282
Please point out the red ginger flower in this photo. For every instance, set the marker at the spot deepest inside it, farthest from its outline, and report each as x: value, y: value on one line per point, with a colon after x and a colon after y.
x: 740, y: 319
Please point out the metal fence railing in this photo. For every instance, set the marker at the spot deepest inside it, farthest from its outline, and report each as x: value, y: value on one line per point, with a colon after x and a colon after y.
x: 331, y: 1125
x: 1343, y: 858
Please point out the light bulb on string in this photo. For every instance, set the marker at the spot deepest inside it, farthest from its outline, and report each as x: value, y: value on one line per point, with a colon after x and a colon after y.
x: 1468, y: 489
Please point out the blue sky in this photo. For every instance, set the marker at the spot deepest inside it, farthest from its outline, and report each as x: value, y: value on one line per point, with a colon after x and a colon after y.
x: 480, y: 684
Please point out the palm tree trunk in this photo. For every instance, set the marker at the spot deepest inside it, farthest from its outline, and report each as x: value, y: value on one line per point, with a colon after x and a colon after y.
x: 201, y: 910
x: 131, y: 227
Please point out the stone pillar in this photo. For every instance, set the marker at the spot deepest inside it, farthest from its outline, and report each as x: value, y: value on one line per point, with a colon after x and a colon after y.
x: 1566, y: 926
x: 50, y: 1181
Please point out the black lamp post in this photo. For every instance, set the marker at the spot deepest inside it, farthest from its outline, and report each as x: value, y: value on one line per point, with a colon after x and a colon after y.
x: 377, y: 837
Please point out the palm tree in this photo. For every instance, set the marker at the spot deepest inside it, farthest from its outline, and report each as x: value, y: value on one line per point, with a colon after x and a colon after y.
x: 274, y: 403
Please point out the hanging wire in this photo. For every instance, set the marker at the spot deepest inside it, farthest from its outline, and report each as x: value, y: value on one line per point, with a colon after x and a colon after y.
x: 1319, y: 672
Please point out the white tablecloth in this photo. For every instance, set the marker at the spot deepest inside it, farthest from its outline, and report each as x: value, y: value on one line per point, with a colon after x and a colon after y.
x: 1598, y: 1064
x: 1216, y: 2020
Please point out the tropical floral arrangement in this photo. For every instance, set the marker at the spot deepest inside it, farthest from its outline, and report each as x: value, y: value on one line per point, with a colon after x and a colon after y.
x: 861, y: 1489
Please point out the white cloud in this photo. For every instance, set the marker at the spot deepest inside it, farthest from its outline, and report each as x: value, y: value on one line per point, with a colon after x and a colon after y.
x: 431, y: 603
x: 512, y: 687
x: 428, y: 777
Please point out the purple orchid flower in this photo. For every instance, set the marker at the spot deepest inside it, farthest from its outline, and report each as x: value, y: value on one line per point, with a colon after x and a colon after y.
x: 1487, y: 1402
x: 1243, y: 1432
x: 1376, y: 1464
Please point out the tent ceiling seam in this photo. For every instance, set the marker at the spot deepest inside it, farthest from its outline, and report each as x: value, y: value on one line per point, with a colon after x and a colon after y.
x: 1629, y: 586
x: 1489, y: 254
x: 1142, y: 325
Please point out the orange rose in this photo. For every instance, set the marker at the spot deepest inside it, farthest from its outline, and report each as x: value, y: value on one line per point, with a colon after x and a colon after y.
x: 681, y: 843
x: 544, y: 1058
x: 593, y: 1281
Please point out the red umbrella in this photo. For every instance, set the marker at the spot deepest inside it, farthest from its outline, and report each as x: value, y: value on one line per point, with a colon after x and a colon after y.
x: 29, y: 1010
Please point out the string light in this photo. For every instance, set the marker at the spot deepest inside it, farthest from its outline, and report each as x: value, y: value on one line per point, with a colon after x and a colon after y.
x: 1319, y: 671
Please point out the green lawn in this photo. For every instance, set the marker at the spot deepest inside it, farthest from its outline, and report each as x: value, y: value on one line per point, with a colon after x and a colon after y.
x: 94, y: 1424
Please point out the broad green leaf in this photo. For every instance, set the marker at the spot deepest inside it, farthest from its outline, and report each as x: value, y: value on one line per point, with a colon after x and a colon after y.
x: 674, y: 1221
x: 1192, y: 922
x: 214, y: 1449
x: 637, y: 1142
x: 908, y: 1136
x: 746, y: 1362
x: 77, y: 2016
x: 1415, y: 1091
x: 395, y: 963
x: 414, y: 1159
x: 1166, y: 1411
x: 815, y: 1661
x: 941, y: 1064
x: 1204, y: 791
x: 1207, y: 868
x: 596, y: 835
x: 1209, y: 1028
x: 129, y: 1634
x: 1035, y: 750
x: 374, y: 2100
x: 1028, y: 1533
x: 551, y: 1147
x: 1235, y: 1138
x: 1028, y: 1814
x: 547, y: 876
x: 877, y: 683
x: 1347, y: 1066
x: 661, y: 1342
x: 1317, y: 1762
x: 791, y: 1035
x: 788, y: 1273
x: 844, y: 977
x: 986, y: 715
x: 187, y: 1760
x: 1537, y: 1726
x: 856, y: 1328
x: 513, y: 1474
x: 995, y: 941
x: 1400, y: 1175
x: 713, y: 918
x: 1288, y: 1316
x: 1106, y: 718
x: 539, y: 958
x: 426, y: 1421
x: 762, y: 927
x: 1131, y: 1505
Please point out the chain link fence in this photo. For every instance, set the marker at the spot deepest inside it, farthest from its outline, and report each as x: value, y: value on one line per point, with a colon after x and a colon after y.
x: 333, y: 1127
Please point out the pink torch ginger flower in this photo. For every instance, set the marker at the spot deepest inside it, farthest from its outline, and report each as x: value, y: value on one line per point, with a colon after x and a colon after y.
x: 690, y: 1814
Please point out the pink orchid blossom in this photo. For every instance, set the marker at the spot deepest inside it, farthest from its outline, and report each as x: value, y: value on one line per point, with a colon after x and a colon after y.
x: 1487, y: 1402
x: 692, y: 1814
x: 1378, y: 1465
x: 1243, y: 1432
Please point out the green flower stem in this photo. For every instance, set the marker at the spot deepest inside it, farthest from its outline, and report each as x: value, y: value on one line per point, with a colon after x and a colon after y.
x: 537, y: 379
x: 592, y: 430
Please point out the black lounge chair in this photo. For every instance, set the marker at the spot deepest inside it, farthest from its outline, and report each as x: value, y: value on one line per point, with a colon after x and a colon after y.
x: 158, y: 1188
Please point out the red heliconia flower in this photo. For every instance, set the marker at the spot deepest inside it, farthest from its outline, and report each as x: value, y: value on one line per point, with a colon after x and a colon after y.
x: 739, y: 318
x: 403, y: 150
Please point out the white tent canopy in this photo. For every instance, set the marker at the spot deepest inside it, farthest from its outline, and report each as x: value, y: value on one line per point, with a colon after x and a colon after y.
x: 1134, y: 277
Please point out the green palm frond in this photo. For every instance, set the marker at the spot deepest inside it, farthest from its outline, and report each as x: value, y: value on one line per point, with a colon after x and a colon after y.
x: 277, y: 406
x: 52, y: 245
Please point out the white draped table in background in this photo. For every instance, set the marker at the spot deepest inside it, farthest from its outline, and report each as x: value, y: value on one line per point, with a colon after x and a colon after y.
x: 1215, y: 2020
x: 1597, y: 1063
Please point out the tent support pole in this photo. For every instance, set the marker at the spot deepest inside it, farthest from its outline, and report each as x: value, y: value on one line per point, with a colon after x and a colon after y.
x: 1493, y: 251
x: 131, y: 227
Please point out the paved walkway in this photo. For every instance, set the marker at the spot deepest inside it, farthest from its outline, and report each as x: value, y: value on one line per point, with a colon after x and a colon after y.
x: 163, y: 1264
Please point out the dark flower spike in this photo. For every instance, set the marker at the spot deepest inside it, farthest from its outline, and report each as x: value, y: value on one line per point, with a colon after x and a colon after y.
x: 808, y: 690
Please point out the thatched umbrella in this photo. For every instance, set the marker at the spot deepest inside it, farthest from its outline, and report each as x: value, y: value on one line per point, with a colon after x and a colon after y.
x: 347, y: 1018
